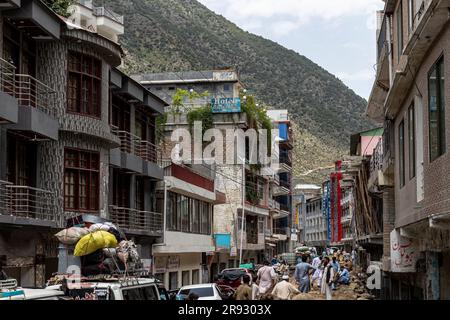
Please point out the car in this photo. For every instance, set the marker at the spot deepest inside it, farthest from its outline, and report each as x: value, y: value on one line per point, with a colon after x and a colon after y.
x: 232, y: 277
x: 129, y: 288
x: 10, y: 291
x: 208, y: 291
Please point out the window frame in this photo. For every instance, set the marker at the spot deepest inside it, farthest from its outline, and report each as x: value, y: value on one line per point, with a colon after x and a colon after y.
x: 90, y: 189
x: 401, y: 153
x: 412, y: 141
x: 440, y: 109
x: 92, y: 77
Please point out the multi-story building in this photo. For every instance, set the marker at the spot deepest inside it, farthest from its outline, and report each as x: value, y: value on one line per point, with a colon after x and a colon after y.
x: 302, y: 193
x: 411, y: 96
x: 316, y: 225
x: 188, y: 240
x: 246, y: 188
x: 70, y: 137
x: 281, y: 189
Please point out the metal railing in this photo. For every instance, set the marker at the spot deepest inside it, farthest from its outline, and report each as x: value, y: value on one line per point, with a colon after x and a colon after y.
x: 103, y: 12
x: 7, y: 77
x: 130, y: 143
x: 273, y: 204
x: 280, y: 231
x: 376, y: 161
x: 133, y: 219
x: 27, y: 202
x: 284, y: 207
x: 33, y: 93
x: 5, y: 197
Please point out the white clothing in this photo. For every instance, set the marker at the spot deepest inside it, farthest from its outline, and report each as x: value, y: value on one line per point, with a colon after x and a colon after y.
x: 266, y: 275
x: 284, y: 290
x: 255, y: 291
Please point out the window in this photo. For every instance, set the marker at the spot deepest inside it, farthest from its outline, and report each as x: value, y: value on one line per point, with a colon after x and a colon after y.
x: 436, y: 103
x: 121, y: 189
x: 401, y: 158
x: 81, y: 180
x: 411, y: 13
x: 140, y: 194
x: 226, y: 87
x: 399, y: 16
x: 412, y: 141
x: 188, y: 215
x: 84, y: 85
x: 143, y: 293
x: 173, y: 280
x: 185, y: 278
x: 120, y: 114
x: 195, y: 276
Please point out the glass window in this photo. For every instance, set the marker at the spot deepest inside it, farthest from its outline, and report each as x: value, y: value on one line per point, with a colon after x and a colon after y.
x: 150, y: 293
x: 81, y: 180
x: 196, y: 276
x: 84, y: 84
x: 436, y: 105
x: 401, y: 158
x: 412, y: 141
x: 173, y: 280
x: 399, y: 16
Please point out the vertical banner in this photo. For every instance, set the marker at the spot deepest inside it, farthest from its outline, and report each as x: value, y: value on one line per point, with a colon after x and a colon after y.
x: 326, y: 207
x: 339, y: 207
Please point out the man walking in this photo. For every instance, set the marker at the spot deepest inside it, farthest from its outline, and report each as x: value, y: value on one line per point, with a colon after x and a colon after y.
x: 336, y: 267
x: 284, y: 290
x: 244, y: 291
x: 302, y: 275
x: 266, y: 275
x: 327, y: 278
x: 317, y: 276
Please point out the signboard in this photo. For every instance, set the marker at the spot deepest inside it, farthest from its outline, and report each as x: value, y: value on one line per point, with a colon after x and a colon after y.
x: 233, y: 252
x: 294, y: 237
x: 173, y: 262
x: 404, y: 253
x: 226, y: 105
x: 160, y: 264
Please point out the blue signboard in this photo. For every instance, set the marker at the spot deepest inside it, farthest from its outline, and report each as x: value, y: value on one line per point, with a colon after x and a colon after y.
x: 226, y: 105
x: 223, y: 241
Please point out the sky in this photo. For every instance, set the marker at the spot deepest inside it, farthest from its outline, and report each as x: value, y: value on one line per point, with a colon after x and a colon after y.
x: 339, y: 35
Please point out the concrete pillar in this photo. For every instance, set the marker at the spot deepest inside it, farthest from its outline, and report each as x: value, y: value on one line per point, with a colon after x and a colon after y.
x: 133, y: 191
x: 388, y: 224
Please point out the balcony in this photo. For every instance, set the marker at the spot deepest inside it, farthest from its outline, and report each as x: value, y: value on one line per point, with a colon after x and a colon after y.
x: 281, y: 233
x: 280, y: 191
x: 137, y: 155
x: 35, y: 19
x: 9, y: 107
x: 274, y: 206
x: 37, y: 109
x: 9, y: 4
x: 27, y: 206
x: 137, y: 222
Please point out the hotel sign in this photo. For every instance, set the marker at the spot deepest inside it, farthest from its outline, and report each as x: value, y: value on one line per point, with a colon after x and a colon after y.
x: 226, y: 105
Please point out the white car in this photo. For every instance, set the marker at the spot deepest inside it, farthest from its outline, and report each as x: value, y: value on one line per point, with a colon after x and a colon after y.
x: 124, y: 289
x: 31, y: 294
x: 207, y: 291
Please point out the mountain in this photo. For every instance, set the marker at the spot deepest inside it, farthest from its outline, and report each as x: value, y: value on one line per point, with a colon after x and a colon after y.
x: 178, y: 35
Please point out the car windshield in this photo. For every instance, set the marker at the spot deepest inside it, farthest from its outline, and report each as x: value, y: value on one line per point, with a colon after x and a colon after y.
x: 201, y: 292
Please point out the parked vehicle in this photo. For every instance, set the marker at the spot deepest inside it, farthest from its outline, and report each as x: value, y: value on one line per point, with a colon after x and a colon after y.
x: 129, y: 288
x: 233, y: 277
x: 208, y: 291
x: 10, y: 291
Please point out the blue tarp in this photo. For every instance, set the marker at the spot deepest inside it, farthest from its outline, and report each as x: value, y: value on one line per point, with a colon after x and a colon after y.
x: 283, y: 131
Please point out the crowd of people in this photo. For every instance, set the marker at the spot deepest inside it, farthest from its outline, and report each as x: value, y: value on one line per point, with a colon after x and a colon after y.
x: 272, y: 281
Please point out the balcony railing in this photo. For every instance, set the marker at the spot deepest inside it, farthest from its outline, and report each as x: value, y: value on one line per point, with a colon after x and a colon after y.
x: 33, y: 93
x: 280, y: 231
x: 376, y: 161
x: 275, y: 205
x: 136, y: 220
x: 285, y: 184
x: 27, y: 202
x: 103, y: 12
x: 132, y: 144
x: 284, y: 207
x: 7, y: 77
